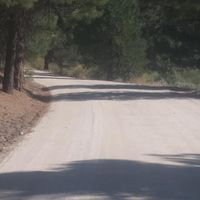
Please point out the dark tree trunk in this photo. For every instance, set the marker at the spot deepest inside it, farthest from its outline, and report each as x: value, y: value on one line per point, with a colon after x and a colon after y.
x: 61, y: 66
x: 18, y: 72
x: 109, y: 73
x: 19, y: 57
x: 8, y: 80
x: 1, y: 60
x: 46, y: 63
x: 48, y: 59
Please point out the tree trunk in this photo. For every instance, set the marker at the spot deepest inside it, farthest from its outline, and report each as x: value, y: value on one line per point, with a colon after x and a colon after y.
x: 46, y: 63
x: 110, y: 70
x: 19, y: 57
x: 8, y: 80
x: 18, y: 72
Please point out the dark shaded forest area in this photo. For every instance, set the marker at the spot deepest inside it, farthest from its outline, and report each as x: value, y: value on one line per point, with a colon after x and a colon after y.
x: 102, y: 39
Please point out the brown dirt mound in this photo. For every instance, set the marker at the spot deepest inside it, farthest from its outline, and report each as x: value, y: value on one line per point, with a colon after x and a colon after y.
x: 19, y: 112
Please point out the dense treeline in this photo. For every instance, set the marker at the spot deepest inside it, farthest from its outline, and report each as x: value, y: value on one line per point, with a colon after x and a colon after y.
x: 172, y: 31
x: 114, y: 39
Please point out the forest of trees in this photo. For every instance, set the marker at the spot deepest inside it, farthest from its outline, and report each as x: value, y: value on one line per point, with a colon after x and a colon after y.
x: 123, y: 38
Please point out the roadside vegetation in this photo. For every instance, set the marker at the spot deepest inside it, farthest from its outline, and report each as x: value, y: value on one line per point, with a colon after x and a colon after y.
x: 151, y: 42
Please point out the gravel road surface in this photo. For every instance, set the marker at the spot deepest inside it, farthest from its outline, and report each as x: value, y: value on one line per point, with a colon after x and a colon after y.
x: 108, y: 141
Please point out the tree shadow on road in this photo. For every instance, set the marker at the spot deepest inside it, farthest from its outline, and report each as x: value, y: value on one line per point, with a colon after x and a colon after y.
x: 117, y: 86
x: 110, y: 91
x: 117, y: 94
x: 48, y: 75
x: 52, y: 77
x: 109, y: 179
x: 188, y: 159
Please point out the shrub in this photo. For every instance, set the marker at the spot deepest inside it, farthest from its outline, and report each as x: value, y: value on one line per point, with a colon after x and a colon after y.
x: 151, y: 77
x: 37, y: 63
x: 189, y: 78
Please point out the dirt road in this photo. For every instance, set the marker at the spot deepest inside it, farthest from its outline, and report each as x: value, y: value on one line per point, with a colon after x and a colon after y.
x: 108, y: 141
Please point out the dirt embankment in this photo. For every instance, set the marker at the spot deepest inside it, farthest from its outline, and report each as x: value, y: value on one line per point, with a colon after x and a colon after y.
x: 19, y: 112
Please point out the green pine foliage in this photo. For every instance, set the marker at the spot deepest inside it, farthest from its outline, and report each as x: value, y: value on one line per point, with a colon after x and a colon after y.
x: 20, y: 3
x: 112, y: 39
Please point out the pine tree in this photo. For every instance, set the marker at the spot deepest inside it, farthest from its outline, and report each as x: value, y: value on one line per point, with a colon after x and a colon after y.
x: 14, y: 50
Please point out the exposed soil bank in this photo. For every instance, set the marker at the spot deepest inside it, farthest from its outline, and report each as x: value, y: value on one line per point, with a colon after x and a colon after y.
x: 19, y: 112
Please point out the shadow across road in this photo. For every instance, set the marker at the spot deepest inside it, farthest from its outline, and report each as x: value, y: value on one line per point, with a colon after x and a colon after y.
x: 109, y: 179
x: 115, y: 95
x: 117, y: 86
x: 87, y: 91
x: 188, y: 159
